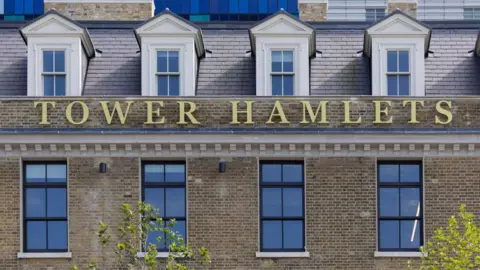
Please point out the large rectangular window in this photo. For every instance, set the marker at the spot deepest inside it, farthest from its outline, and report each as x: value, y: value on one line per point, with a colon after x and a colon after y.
x: 54, y: 74
x: 45, y: 224
x: 374, y: 14
x: 471, y: 13
x: 168, y: 73
x: 164, y: 187
x: 282, y: 73
x: 400, y: 213
x: 398, y: 73
x: 282, y: 213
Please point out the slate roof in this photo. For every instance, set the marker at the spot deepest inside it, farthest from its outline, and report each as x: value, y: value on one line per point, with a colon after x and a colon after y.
x: 340, y: 69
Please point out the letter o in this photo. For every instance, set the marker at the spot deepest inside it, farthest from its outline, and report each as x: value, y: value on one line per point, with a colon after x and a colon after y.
x: 85, y: 112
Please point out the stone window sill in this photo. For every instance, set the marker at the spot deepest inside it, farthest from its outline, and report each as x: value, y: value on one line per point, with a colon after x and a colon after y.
x: 159, y: 255
x: 304, y: 254
x: 399, y: 254
x: 44, y: 255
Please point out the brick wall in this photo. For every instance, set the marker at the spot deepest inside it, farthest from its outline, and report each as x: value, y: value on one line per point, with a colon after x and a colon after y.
x: 313, y: 12
x: 103, y: 11
x: 406, y: 6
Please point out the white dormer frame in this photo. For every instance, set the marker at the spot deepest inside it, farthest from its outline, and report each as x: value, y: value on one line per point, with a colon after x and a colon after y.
x: 167, y: 31
x: 397, y: 31
x: 282, y: 31
x: 54, y: 32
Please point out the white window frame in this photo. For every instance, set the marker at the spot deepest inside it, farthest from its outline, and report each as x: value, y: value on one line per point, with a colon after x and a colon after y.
x: 54, y: 73
x: 179, y: 73
x: 281, y: 73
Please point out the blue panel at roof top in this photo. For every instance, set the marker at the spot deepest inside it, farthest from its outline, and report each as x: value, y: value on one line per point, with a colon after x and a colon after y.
x: 20, y: 9
x: 226, y: 10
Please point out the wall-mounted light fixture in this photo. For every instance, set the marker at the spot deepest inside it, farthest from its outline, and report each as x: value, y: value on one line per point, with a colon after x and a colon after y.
x: 222, y: 166
x: 103, y: 167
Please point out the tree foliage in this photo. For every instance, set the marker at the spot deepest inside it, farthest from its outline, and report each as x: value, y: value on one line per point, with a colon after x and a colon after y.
x: 131, y: 249
x: 457, y: 246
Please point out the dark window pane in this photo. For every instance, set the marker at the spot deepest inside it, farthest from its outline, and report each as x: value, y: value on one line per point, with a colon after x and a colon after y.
x: 162, y: 61
x: 272, y: 234
x: 389, y: 234
x: 57, y: 235
x: 293, y: 234
x: 271, y: 202
x: 292, y: 173
x: 175, y: 173
x: 288, y: 85
x: 156, y: 237
x: 175, y: 202
x: 155, y: 197
x: 47, y: 61
x: 389, y: 202
x: 287, y: 61
x: 410, y: 173
x: 57, y: 202
x: 272, y: 173
x: 410, y: 202
x: 392, y: 81
x: 56, y: 173
x: 36, y: 235
x: 35, y: 202
x: 59, y: 85
x: 162, y: 85
x: 392, y: 65
x: 292, y: 202
x: 173, y: 61
x: 404, y: 85
x: 403, y: 61
x: 154, y: 173
x: 410, y: 233
x: 174, y: 85
x: 35, y: 173
x: 276, y: 61
x: 48, y: 82
x: 388, y: 173
x: 277, y: 85
x: 59, y: 61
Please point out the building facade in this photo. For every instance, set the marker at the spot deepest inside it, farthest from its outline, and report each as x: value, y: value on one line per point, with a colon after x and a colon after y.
x: 285, y: 143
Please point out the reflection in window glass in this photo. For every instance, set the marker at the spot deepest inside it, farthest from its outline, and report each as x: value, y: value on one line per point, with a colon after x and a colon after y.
x: 398, y: 73
x: 282, y: 73
x: 168, y: 73
x: 54, y: 73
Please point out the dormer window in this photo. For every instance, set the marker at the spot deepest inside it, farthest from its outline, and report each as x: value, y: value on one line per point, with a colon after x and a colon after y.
x: 282, y: 73
x: 58, y: 53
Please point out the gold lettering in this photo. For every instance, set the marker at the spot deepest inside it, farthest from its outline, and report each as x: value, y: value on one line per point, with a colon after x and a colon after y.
x: 322, y: 108
x: 413, y: 109
x: 278, y: 111
x: 347, y: 119
x: 189, y: 114
x: 150, y: 113
x: 248, y: 111
x: 85, y: 113
x: 379, y: 112
x: 116, y: 108
x: 443, y: 111
x: 44, y: 105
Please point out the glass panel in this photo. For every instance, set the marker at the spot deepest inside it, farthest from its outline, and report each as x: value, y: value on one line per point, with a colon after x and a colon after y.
x: 410, y: 202
x: 262, y: 6
x: 56, y: 173
x: 175, y: 172
x: 173, y: 61
x: 175, y: 202
x: 253, y: 6
x: 276, y: 61
x: 28, y: 8
x: 57, y: 235
x: 388, y: 173
x: 38, y: 6
x: 155, y: 197
x: 410, y: 173
x: 292, y: 173
x: 35, y: 173
x: 57, y: 202
x: 1, y: 7
x: 194, y: 6
x: 178, y: 229
x: 403, y: 61
x: 162, y: 85
x: 272, y: 234
x: 282, y: 4
x: 153, y: 238
x: 154, y: 173
x: 174, y: 85
x: 392, y: 85
x: 292, y: 202
x: 59, y: 85
x: 293, y: 234
x: 392, y: 65
x: 287, y: 61
x: 292, y: 6
x: 277, y: 85
x: 271, y: 202
x: 19, y: 6
x: 48, y: 89
x: 243, y: 6
x: 389, y: 231
x: 272, y: 7
x: 410, y: 233
x: 271, y: 173
x: 35, y: 202
x: 59, y: 61
x: 204, y: 6
x: 288, y: 85
x: 404, y: 85
x: 389, y: 202
x: 36, y: 235
x: 233, y: 6
x: 162, y: 61
x: 47, y: 61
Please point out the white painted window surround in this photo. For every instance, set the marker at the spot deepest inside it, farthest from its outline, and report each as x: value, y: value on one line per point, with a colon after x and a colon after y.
x: 159, y: 254
x: 44, y: 255
x: 304, y: 254
x: 397, y: 32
